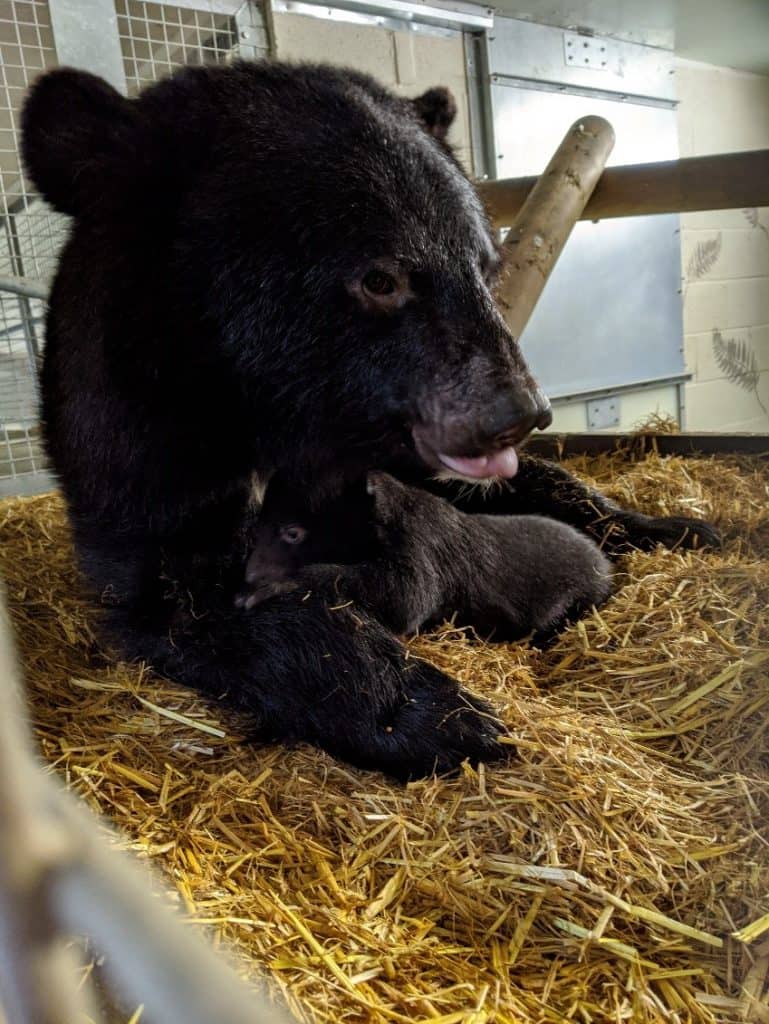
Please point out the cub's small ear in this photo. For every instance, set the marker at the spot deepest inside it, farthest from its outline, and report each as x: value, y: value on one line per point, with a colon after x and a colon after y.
x: 79, y: 139
x: 436, y: 109
x: 387, y: 492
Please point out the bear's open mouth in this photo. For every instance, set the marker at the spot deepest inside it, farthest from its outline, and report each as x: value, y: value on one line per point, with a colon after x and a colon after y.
x: 499, y: 464
x: 503, y: 463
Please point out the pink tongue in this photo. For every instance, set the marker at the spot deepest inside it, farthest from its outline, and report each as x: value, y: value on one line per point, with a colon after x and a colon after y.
x: 503, y: 463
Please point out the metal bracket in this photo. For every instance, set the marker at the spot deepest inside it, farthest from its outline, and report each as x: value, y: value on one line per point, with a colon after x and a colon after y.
x: 253, y: 37
x: 603, y: 412
x: 479, y: 104
x: 594, y: 52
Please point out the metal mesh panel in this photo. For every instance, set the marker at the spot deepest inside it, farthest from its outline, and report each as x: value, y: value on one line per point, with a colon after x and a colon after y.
x: 156, y: 38
x: 30, y: 238
x: 20, y: 451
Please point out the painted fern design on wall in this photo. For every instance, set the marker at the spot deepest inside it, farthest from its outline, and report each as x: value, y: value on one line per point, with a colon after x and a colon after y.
x: 751, y: 216
x: 704, y: 258
x: 737, y: 360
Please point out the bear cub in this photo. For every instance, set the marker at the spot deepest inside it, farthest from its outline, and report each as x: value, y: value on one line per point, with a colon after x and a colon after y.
x: 411, y: 559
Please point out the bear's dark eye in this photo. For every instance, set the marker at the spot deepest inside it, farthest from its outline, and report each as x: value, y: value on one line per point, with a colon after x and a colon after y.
x: 377, y: 282
x: 382, y: 289
x: 293, y: 534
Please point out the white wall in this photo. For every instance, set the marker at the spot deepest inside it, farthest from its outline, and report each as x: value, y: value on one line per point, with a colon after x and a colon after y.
x: 725, y: 257
x: 634, y: 409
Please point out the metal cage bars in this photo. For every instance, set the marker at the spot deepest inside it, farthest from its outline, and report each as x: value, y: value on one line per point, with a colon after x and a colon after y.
x: 151, y: 40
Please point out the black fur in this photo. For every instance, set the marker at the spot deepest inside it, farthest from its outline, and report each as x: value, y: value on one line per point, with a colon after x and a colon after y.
x: 543, y: 488
x: 411, y: 559
x: 215, y: 318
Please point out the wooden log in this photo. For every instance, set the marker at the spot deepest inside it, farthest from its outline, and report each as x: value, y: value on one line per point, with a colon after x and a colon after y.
x: 544, y: 222
x: 727, y: 181
x: 34, y: 989
x: 58, y: 878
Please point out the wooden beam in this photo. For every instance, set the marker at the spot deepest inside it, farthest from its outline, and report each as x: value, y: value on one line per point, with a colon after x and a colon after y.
x: 552, y: 208
x: 561, y: 446
x: 727, y: 181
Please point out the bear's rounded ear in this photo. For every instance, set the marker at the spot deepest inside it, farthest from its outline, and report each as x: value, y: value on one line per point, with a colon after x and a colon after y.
x: 78, y: 138
x: 436, y: 109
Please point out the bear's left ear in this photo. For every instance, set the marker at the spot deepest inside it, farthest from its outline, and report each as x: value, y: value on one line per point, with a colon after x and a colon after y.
x: 80, y: 139
x: 436, y: 109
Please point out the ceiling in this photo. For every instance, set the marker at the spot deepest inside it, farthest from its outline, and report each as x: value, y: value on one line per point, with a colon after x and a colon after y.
x: 731, y: 33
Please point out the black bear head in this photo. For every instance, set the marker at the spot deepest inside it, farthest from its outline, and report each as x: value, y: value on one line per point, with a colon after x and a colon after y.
x: 294, y: 249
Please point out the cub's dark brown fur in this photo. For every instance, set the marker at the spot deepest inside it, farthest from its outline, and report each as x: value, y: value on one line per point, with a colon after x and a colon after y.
x: 410, y: 559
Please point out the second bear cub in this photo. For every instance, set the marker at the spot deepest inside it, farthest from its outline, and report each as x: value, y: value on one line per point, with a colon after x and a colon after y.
x: 411, y: 559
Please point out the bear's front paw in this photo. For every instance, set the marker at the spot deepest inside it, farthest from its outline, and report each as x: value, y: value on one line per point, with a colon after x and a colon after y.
x: 437, y: 727
x: 646, y: 532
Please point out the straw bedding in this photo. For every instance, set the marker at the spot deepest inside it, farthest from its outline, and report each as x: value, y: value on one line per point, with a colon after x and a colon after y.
x: 617, y: 868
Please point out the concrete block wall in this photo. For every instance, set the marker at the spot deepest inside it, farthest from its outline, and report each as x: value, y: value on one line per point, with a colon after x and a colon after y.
x: 725, y: 258
x: 408, y: 62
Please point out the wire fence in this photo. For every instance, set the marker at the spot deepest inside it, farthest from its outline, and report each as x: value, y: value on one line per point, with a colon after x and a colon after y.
x: 30, y: 238
x: 154, y: 39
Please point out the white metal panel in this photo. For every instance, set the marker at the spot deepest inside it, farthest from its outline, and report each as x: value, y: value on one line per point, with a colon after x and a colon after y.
x: 650, y: 22
x: 86, y: 37
x: 611, y: 313
x: 530, y: 122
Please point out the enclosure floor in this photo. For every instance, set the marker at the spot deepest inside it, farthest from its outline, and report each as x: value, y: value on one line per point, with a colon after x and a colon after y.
x: 598, y: 875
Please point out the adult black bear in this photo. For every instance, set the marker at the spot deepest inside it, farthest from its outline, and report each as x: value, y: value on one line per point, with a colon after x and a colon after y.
x: 277, y: 268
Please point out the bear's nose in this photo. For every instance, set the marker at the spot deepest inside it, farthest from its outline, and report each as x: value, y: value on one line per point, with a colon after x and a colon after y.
x: 509, y: 421
x: 545, y: 418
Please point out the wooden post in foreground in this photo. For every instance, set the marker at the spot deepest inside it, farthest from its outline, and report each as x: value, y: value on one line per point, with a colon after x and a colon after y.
x: 59, y: 878
x: 545, y: 220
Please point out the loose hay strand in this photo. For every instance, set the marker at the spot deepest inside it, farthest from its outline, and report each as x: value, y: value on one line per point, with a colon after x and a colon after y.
x: 616, y: 868
x: 754, y: 930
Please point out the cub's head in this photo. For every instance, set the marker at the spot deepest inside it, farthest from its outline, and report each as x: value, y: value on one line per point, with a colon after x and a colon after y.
x: 292, y: 531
